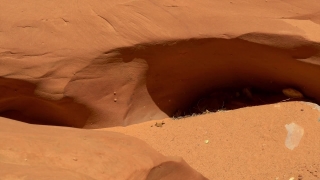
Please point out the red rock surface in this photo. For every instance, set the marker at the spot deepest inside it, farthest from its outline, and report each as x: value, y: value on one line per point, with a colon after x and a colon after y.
x: 99, y: 64
x: 156, y: 55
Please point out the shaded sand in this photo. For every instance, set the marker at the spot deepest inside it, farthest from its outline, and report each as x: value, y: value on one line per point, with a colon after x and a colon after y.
x: 247, y: 143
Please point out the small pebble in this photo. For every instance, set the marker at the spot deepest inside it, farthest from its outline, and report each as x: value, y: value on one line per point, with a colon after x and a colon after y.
x: 115, y: 100
x: 292, y: 93
x: 159, y: 124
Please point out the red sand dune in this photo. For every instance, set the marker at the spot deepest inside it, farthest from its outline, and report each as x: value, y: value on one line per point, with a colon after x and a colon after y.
x: 99, y: 64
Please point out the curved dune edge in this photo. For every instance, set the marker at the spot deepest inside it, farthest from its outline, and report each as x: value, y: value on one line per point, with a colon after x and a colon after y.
x: 247, y: 143
x: 43, y: 152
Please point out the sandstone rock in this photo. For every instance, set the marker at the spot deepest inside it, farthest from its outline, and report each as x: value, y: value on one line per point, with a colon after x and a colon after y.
x: 152, y: 52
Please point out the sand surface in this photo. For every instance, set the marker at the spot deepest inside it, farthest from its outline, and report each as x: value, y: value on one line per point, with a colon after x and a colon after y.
x: 247, y: 143
x: 78, y: 68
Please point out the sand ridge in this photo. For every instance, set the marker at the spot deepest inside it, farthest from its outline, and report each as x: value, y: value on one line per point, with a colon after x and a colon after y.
x: 45, y: 152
